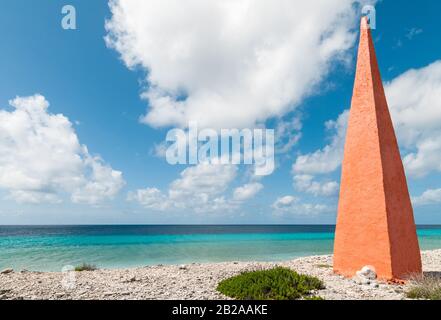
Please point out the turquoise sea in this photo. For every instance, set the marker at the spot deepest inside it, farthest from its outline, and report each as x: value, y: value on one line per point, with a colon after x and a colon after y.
x: 50, y: 248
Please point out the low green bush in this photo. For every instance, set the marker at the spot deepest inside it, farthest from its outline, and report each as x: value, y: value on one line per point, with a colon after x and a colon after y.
x: 427, y: 288
x: 86, y: 267
x: 274, y: 284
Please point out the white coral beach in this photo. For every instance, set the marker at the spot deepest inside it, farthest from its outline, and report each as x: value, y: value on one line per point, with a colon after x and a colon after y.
x: 193, y: 281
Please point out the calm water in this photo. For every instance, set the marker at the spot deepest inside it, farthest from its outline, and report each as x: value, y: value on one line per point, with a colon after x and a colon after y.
x: 49, y: 248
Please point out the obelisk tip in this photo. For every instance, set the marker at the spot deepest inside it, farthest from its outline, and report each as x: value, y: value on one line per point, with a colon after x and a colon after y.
x: 365, y: 23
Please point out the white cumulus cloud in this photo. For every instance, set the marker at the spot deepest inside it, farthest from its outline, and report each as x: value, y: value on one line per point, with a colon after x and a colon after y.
x: 429, y: 197
x: 329, y: 158
x: 322, y: 162
x: 414, y: 99
x: 292, y: 205
x: 415, y: 105
x: 247, y: 191
x: 287, y: 135
x: 199, y: 188
x: 150, y: 198
x: 230, y: 63
x: 41, y: 158
x: 198, y: 185
x: 306, y: 183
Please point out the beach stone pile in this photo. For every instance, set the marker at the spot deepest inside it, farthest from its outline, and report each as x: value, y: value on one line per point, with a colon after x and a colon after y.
x: 366, y: 276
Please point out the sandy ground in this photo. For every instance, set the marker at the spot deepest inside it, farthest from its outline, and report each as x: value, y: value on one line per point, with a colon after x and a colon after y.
x: 193, y: 281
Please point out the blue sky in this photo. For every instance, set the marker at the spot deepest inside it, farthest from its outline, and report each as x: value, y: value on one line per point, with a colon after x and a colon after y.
x: 98, y: 88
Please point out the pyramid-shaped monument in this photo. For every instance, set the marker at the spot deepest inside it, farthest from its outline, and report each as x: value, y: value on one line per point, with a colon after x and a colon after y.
x: 375, y: 224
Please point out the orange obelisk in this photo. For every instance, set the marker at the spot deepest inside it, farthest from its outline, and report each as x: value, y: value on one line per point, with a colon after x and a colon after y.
x: 375, y: 223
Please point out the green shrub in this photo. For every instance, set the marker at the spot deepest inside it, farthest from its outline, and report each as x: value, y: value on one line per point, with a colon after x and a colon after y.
x: 86, y: 267
x: 428, y: 288
x: 274, y: 284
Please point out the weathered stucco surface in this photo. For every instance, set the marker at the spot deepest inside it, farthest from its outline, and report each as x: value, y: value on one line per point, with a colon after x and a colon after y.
x: 375, y: 224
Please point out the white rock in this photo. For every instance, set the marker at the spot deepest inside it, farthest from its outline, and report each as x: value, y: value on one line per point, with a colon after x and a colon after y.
x: 367, y: 272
